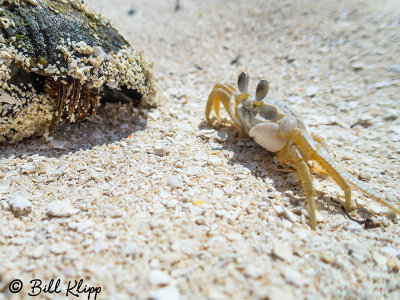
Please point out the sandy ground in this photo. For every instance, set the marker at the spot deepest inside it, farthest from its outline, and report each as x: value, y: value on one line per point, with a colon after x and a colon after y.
x: 157, y: 204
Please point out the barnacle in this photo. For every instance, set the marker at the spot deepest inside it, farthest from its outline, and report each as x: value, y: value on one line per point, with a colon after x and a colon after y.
x: 57, y: 60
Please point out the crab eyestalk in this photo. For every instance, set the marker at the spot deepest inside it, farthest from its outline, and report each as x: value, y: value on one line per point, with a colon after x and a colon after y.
x: 243, y: 82
x: 262, y: 90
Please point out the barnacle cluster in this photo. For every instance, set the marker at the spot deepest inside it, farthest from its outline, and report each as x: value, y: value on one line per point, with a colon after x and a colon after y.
x: 57, y: 60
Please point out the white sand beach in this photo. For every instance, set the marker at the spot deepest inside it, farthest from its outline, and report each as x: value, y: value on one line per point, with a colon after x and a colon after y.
x: 155, y: 204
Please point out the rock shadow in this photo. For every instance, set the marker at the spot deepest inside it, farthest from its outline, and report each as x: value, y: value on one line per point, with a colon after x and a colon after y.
x: 112, y: 122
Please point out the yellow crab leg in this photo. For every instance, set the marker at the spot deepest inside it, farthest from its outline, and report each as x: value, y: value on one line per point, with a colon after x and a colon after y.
x: 216, y: 96
x: 357, y: 184
x: 225, y: 86
x: 340, y: 176
x: 290, y: 153
x: 307, y: 145
x: 320, y: 140
x: 229, y: 89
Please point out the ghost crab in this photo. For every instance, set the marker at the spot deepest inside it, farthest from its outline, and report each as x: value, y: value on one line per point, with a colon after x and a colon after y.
x: 277, y: 127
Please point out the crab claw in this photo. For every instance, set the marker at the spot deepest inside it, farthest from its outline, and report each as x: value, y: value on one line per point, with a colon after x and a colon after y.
x: 286, y: 126
x: 266, y: 134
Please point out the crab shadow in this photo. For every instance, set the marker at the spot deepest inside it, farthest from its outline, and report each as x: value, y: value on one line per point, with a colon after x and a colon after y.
x: 111, y: 123
x: 264, y: 165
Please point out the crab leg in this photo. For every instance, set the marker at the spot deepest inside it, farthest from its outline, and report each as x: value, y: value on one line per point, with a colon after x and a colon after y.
x: 84, y: 108
x: 93, y: 101
x: 76, y: 93
x: 226, y: 87
x: 60, y: 104
x: 357, y: 183
x: 229, y: 89
x: 291, y: 154
x: 214, y: 99
x: 320, y: 140
x: 340, y: 176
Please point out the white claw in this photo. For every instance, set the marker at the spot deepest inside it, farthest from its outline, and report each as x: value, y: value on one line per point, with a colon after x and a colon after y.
x: 286, y: 126
x: 266, y: 135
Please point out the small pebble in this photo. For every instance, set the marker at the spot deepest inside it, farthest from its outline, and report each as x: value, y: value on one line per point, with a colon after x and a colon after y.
x: 283, y: 250
x: 279, y: 293
x: 393, y: 252
x: 57, y: 144
x: 172, y: 204
x: 217, y: 193
x: 19, y: 241
x: 164, y: 194
x: 171, y: 258
x: 97, y: 51
x: 131, y: 11
x: 131, y: 249
x: 382, y: 84
x: 396, y: 69
x: 38, y: 252
x: 294, y: 277
x: 311, y: 91
x: 254, y: 271
x: 229, y: 190
x: 221, y: 213
x: 183, y: 127
x: 4, y: 188
x: 293, y: 178
x: 205, y: 133
x: 160, y: 150
x: 59, y: 248
x: 289, y: 215
x: 222, y: 136
x: 328, y: 257
x: 191, y: 170
x: 155, y: 114
x: 19, y: 204
x: 357, y: 66
x: 60, y: 209
x: 167, y: 293
x: 380, y: 260
x: 4, y: 205
x: 215, y: 161
x: 174, y: 181
x: 158, y: 278
x: 188, y: 246
x: 195, y: 210
x: 393, y: 265
x: 81, y: 226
